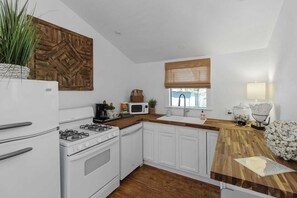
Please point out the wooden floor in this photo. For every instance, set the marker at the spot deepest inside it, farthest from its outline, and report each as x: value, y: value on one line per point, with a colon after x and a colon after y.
x: 150, y: 182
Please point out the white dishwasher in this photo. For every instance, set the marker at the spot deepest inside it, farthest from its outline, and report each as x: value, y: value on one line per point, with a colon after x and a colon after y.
x: 131, y: 149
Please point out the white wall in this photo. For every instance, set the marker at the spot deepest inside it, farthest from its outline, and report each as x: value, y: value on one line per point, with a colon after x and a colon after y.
x: 276, y: 64
x: 110, y: 65
x: 115, y: 75
x: 229, y: 73
x: 283, y: 49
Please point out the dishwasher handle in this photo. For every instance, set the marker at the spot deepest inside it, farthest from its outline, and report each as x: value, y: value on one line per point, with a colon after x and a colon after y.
x: 15, y: 125
x: 15, y: 153
x: 131, y: 132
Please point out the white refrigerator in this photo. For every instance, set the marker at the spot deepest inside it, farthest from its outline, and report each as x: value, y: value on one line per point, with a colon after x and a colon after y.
x: 29, y: 139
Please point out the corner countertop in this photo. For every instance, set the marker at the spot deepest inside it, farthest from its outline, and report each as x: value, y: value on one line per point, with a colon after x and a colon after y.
x: 235, y: 142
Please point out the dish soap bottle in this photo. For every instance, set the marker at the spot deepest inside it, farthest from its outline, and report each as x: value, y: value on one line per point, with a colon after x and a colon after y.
x: 202, y: 115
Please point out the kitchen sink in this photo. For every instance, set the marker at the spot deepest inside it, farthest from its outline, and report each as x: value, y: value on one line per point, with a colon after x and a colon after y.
x: 191, y: 120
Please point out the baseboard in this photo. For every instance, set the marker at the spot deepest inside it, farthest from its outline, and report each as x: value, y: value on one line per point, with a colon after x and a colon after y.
x: 192, y: 176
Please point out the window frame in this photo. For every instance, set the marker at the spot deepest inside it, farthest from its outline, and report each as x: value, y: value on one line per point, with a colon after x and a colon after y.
x: 208, y: 101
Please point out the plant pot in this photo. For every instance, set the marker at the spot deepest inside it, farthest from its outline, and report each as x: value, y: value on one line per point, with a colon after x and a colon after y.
x: 110, y: 113
x: 13, y: 71
x: 152, y: 110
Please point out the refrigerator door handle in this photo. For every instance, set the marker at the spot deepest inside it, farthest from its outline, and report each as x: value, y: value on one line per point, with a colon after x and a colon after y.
x: 15, y: 153
x: 15, y: 125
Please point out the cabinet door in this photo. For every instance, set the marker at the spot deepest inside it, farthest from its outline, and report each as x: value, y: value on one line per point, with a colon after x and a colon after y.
x: 188, y: 149
x: 137, y: 146
x: 228, y: 193
x: 211, y: 138
x: 167, y: 145
x: 148, y: 142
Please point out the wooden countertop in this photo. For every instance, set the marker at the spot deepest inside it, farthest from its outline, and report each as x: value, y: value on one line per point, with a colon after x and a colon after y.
x: 212, y: 124
x: 236, y: 142
x: 126, y: 122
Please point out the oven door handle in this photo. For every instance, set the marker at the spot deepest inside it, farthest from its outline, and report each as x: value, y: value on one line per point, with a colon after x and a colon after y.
x: 93, y: 150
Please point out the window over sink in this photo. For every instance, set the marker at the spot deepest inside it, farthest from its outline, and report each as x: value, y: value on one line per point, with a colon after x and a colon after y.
x: 191, y: 78
x: 195, y: 97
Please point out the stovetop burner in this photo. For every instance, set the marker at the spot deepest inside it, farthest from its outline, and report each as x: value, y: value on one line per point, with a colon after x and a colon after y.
x: 72, y: 135
x: 96, y: 127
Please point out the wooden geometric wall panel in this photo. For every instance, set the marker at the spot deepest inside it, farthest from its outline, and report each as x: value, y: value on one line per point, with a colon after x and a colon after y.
x: 63, y: 56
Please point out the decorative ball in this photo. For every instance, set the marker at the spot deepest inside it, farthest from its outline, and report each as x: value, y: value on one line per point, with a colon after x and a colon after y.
x: 281, y: 139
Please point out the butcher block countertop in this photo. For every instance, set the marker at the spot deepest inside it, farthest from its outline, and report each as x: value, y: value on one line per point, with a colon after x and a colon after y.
x: 212, y: 124
x: 235, y: 142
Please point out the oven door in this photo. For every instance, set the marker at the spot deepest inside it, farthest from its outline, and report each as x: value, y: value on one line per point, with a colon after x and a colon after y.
x: 90, y: 170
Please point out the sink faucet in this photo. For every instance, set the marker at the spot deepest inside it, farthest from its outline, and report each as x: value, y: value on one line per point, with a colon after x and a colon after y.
x: 185, y: 110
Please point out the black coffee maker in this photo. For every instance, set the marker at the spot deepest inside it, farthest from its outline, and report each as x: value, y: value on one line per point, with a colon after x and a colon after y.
x: 101, y: 112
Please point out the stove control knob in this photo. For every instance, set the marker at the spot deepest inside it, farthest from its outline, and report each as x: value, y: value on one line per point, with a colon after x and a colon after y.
x: 79, y: 147
x: 99, y: 139
x: 87, y: 144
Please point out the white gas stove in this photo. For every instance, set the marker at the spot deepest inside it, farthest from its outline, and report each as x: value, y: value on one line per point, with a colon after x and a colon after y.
x: 89, y: 155
x: 84, y: 136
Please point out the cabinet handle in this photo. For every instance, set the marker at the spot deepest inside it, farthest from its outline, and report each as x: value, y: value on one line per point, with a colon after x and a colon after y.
x: 15, y: 125
x: 15, y: 153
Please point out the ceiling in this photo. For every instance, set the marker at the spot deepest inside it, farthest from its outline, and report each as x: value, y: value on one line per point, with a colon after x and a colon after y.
x: 156, y: 30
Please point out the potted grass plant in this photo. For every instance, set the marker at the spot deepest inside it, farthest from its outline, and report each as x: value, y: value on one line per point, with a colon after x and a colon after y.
x: 18, y: 39
x: 152, y: 104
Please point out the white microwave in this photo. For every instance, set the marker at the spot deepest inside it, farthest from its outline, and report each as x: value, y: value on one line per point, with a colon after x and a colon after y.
x: 138, y: 108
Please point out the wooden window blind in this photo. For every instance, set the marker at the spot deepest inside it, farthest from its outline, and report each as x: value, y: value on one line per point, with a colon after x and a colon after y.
x: 188, y: 74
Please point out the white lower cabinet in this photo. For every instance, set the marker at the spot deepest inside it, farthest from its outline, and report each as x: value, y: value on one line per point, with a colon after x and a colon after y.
x: 166, y: 145
x: 189, y: 149
x: 230, y: 191
x: 148, y: 142
x: 211, y: 140
x: 188, y: 162
x: 183, y: 149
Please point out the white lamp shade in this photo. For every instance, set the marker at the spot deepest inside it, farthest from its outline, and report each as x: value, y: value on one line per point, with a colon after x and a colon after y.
x: 256, y: 91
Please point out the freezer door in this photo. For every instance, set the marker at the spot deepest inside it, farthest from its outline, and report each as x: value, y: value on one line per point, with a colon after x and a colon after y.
x: 27, y: 107
x: 30, y: 168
